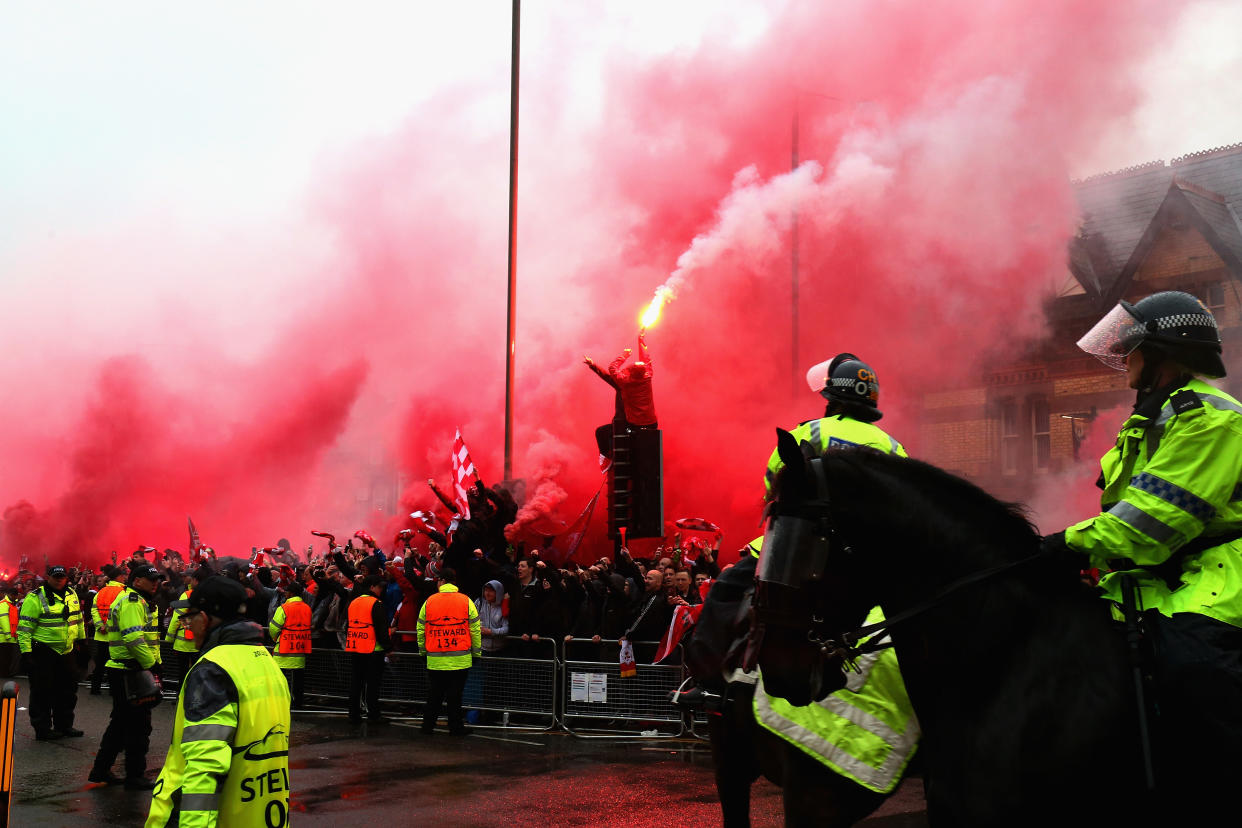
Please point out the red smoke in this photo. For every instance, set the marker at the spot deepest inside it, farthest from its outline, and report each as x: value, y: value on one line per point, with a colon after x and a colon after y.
x: 933, y: 214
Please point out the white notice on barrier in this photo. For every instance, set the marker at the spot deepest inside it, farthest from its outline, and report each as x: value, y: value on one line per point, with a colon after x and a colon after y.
x: 577, y: 687
x: 598, y: 689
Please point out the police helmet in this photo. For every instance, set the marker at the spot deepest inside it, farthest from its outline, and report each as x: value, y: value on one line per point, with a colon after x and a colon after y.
x: 846, y: 378
x: 1171, y: 322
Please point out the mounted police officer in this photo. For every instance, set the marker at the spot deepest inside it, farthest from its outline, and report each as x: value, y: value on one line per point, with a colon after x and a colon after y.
x: 49, y: 628
x: 228, y: 763
x: 1171, y: 512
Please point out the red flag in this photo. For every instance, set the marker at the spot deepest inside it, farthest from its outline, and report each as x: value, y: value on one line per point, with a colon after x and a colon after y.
x: 684, y: 619
x: 195, y: 542
x: 464, y: 475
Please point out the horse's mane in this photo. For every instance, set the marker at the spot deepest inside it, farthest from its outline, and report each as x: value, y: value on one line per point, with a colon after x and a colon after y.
x: 934, y: 483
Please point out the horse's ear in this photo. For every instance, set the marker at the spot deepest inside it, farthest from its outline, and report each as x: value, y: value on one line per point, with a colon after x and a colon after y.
x: 787, y: 449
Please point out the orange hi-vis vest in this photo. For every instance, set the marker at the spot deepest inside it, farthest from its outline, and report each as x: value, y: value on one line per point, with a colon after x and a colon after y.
x: 447, y: 624
x: 360, y: 637
x: 103, y: 605
x: 295, y: 638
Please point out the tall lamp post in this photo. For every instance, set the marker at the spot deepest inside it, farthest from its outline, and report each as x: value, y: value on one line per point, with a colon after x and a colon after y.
x: 512, y: 325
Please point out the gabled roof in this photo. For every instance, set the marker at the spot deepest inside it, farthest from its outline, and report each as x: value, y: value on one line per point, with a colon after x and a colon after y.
x: 1120, y: 211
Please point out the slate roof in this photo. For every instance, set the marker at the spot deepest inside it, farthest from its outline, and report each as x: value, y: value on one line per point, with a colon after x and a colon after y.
x: 1118, y: 209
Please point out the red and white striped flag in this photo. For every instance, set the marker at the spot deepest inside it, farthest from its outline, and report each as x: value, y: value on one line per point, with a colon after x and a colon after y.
x: 683, y: 620
x: 464, y: 475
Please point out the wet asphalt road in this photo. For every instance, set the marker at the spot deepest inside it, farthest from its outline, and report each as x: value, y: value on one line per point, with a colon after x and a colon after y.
x: 394, y: 774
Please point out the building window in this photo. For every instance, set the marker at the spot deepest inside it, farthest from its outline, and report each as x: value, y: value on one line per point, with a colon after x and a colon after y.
x: 1041, y: 433
x: 1009, y: 436
x: 1214, y: 297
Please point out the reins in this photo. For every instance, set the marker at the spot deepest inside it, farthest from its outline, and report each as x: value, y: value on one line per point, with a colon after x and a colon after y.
x: 874, y: 633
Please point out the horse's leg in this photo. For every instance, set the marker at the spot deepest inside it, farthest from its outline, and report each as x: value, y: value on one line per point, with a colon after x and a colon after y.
x: 734, y: 761
x: 815, y: 795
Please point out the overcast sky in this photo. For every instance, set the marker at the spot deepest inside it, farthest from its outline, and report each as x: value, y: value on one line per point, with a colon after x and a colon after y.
x: 105, y: 103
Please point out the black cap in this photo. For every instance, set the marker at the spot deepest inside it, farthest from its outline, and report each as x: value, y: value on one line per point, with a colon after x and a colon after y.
x: 145, y: 571
x: 202, y: 573
x: 218, y: 596
x: 57, y: 571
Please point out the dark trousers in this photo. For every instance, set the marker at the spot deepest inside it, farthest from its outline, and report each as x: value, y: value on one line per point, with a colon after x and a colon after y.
x: 444, y: 686
x: 53, y: 689
x: 366, y: 672
x: 10, y: 656
x: 294, y: 677
x: 184, y: 662
x: 101, y: 658
x: 129, y: 730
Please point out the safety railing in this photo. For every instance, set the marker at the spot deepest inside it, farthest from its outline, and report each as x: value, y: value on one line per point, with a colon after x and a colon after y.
x: 599, y: 703
x: 534, y: 684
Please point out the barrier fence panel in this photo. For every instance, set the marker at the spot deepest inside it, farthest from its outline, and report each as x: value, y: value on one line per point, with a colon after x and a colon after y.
x: 597, y: 697
x: 506, y: 683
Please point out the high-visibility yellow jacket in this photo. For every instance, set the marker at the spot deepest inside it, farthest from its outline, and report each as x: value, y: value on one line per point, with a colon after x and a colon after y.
x: 449, y: 631
x: 8, y: 624
x: 133, y: 635
x: 228, y: 764
x: 837, y: 431
x: 868, y: 731
x: 101, y: 607
x: 178, y: 633
x: 51, y: 619
x: 290, y: 630
x: 1173, y: 477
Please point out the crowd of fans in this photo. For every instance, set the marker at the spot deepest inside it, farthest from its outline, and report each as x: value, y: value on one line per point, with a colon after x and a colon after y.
x: 520, y: 595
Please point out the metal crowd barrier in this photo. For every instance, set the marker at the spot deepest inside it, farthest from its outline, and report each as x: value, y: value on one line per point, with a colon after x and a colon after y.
x: 575, y: 684
x: 596, y: 695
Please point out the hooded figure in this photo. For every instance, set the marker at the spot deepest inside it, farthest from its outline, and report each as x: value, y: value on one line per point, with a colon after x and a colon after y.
x: 493, y: 616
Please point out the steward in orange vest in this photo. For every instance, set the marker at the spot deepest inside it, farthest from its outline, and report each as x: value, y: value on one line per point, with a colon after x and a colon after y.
x: 366, y: 640
x: 291, y: 631
x: 100, y: 610
x: 450, y: 636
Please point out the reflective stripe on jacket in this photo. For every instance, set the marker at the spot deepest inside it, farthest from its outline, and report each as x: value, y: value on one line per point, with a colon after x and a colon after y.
x: 1173, y: 477
x: 9, y: 618
x: 867, y: 731
x: 291, y: 630
x: 837, y: 431
x: 360, y: 636
x: 178, y: 633
x: 449, y: 631
x: 228, y: 764
x: 101, y: 607
x: 51, y: 619
x: 133, y: 635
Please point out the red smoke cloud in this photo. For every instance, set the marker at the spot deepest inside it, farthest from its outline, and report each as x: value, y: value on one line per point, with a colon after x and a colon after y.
x: 933, y: 210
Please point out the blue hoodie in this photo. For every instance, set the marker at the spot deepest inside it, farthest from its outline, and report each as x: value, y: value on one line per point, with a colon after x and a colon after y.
x: 492, y: 617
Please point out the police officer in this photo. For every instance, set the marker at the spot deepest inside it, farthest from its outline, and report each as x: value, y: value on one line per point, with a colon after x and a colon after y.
x: 178, y: 633
x: 133, y: 649
x: 49, y: 627
x: 1171, y: 513
x: 100, y: 609
x: 450, y: 636
x: 290, y: 629
x: 228, y: 763
x: 366, y: 641
x: 852, y: 392
x: 9, y: 619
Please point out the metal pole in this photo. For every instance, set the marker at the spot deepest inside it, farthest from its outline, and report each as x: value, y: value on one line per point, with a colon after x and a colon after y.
x: 795, y: 380
x: 513, y: 171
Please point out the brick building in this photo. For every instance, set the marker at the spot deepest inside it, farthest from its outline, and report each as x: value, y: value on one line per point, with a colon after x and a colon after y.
x: 1153, y: 227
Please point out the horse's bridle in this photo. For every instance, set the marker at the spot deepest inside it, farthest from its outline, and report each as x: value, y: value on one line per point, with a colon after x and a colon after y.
x: 811, y: 522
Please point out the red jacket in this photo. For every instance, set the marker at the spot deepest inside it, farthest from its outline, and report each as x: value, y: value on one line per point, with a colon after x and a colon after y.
x: 634, y: 383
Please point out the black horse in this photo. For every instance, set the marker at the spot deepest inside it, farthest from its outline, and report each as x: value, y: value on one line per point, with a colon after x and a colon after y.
x: 812, y: 794
x: 742, y: 749
x: 1021, y: 680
